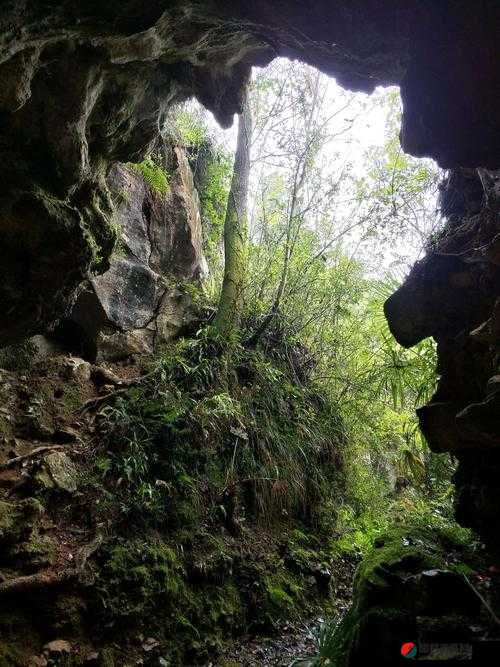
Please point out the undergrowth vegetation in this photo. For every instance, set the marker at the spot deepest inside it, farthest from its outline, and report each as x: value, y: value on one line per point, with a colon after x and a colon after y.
x: 221, y: 473
x: 225, y: 434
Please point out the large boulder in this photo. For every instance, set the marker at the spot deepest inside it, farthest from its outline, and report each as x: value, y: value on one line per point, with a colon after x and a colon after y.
x: 139, y: 302
x: 410, y: 589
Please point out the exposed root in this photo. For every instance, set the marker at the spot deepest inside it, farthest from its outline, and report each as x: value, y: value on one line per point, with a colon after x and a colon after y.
x: 94, y: 403
x: 101, y: 375
x: 483, y: 601
x: 111, y: 378
x: 35, y: 582
x: 20, y: 459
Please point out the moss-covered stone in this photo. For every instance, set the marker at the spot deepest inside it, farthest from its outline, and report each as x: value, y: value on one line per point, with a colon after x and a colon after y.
x: 195, y: 598
x: 37, y: 552
x: 18, y: 518
x: 7, y: 521
x: 58, y: 472
x: 408, y: 575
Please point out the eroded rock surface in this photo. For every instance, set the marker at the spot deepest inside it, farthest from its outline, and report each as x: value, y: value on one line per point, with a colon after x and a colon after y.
x: 139, y: 302
x: 454, y: 295
x: 411, y: 589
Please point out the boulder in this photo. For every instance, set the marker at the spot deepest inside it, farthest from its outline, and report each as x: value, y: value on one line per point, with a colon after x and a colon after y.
x: 439, y: 425
x: 407, y: 590
x: 58, y: 472
x: 137, y: 303
x: 57, y: 647
x: 481, y: 421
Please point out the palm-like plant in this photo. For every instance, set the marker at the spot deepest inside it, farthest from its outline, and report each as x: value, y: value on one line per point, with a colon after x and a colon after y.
x: 325, y: 639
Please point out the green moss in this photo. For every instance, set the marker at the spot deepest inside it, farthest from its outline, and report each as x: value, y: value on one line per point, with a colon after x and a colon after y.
x: 18, y: 518
x: 141, y: 575
x: 302, y: 559
x: 7, y: 520
x: 146, y: 583
x: 18, y: 357
x: 284, y: 597
x: 39, y: 551
x: 72, y: 398
x: 399, y: 555
x: 386, y: 597
x: 156, y: 177
x: 280, y: 599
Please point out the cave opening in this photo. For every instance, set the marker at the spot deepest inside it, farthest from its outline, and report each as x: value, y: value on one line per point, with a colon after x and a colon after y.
x: 191, y: 483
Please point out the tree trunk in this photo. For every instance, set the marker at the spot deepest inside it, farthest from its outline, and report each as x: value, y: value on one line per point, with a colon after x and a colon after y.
x: 236, y: 230
x: 299, y: 179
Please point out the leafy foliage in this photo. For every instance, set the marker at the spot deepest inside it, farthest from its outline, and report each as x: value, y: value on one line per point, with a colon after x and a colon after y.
x: 153, y: 174
x: 305, y: 416
x: 229, y: 434
x: 308, y: 204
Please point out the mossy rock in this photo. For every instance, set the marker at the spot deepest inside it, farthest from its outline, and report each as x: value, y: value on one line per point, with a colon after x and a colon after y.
x: 405, y: 576
x: 39, y: 551
x: 18, y: 518
x: 58, y: 472
x: 18, y: 357
x: 8, y: 528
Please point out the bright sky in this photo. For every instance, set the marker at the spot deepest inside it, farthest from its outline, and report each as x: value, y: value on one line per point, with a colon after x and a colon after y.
x: 369, y: 115
x: 367, y: 130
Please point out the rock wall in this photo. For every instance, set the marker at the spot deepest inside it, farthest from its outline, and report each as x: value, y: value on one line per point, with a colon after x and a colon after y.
x: 139, y: 302
x: 454, y: 295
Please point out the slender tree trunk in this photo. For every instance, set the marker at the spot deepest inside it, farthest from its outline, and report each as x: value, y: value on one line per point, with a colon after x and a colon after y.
x: 268, y: 319
x: 236, y: 230
x: 299, y: 179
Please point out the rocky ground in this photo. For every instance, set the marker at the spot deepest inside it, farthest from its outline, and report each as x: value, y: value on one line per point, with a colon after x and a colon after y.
x: 293, y: 640
x: 55, y: 539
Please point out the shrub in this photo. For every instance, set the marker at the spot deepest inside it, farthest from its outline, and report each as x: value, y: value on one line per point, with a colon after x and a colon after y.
x: 225, y: 433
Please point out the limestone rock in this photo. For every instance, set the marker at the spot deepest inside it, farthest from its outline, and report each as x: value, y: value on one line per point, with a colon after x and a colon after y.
x: 85, y: 86
x: 57, y: 646
x: 404, y: 591
x: 489, y: 331
x: 37, y: 552
x: 436, y: 298
x: 481, y: 421
x: 44, y: 348
x: 493, y: 384
x: 58, y: 472
x: 135, y: 304
x: 18, y: 518
x: 453, y: 294
x: 439, y: 425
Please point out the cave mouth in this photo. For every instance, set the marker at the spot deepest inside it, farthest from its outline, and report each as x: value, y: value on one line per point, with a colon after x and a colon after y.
x: 87, y: 88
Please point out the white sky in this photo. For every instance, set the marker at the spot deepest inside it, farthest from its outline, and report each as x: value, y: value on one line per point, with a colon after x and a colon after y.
x: 371, y: 114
